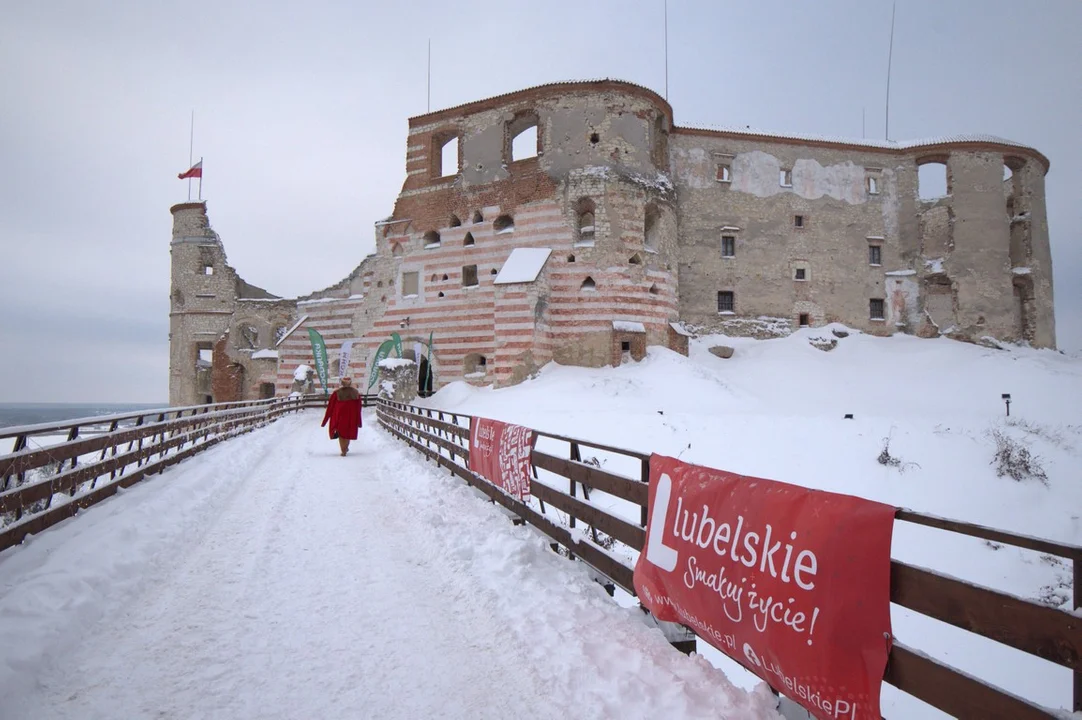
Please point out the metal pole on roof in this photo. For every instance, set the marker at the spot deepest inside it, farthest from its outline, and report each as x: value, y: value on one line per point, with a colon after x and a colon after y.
x: 890, y: 56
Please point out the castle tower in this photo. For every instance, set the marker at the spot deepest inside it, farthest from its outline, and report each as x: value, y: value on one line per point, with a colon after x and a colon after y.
x: 201, y: 300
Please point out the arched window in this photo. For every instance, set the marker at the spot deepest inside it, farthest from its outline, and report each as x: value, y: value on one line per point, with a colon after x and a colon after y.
x: 503, y: 224
x: 584, y: 211
x: 654, y: 290
x: 478, y: 217
x: 474, y: 364
x: 468, y: 240
x: 635, y: 259
x: 933, y: 180
x: 455, y: 222
x: 588, y: 285
x: 432, y: 239
x: 571, y: 258
x: 651, y: 229
x: 524, y: 141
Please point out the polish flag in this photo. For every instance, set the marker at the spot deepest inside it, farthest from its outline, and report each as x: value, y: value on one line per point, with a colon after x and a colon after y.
x: 195, y: 171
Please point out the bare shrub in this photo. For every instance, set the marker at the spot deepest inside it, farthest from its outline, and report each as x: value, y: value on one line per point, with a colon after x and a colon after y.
x: 1013, y: 459
x: 885, y: 458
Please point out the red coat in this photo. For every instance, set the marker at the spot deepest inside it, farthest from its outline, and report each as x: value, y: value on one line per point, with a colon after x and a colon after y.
x: 344, y: 413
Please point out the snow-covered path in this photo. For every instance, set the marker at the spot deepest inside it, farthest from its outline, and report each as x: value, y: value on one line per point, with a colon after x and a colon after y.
x: 271, y: 578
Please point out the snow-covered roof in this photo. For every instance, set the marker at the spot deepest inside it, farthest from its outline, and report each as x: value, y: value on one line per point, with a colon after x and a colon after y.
x: 264, y: 354
x: 679, y: 329
x: 900, y: 273
x: 628, y: 326
x: 523, y: 265
x: 394, y: 363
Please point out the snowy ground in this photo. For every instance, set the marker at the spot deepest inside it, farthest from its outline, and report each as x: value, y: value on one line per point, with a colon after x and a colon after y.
x: 775, y: 410
x: 271, y: 578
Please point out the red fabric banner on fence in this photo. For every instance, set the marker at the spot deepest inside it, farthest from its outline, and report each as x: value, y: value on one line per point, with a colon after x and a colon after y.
x: 792, y: 583
x: 500, y: 453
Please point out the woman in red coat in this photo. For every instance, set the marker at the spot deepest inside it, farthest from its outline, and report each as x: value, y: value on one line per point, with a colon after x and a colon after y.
x: 344, y: 414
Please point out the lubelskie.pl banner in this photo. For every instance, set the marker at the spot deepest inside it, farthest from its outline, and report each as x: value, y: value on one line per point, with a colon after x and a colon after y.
x: 792, y: 583
x: 501, y: 453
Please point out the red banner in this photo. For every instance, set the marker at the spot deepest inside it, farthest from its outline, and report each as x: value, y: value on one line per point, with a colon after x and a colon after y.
x: 500, y: 453
x: 792, y: 583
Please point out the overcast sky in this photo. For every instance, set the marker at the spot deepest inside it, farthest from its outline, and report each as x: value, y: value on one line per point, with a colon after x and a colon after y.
x: 301, y: 116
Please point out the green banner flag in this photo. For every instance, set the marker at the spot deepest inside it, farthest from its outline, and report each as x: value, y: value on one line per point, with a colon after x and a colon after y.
x: 381, y: 353
x: 428, y: 363
x: 319, y: 352
x: 397, y: 343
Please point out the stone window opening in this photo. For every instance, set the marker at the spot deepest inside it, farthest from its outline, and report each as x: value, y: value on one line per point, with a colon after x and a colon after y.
x: 440, y: 294
x: 625, y: 346
x: 728, y: 246
x: 933, y: 178
x: 871, y: 184
x: 446, y: 154
x: 524, y: 141
x: 588, y: 285
x: 249, y: 335
x: 410, y: 284
x: 204, y: 354
x: 651, y: 227
x: 266, y: 390
x: 785, y: 178
x: 435, y: 277
x: 726, y: 302
x: 875, y: 255
x: 503, y: 224
x: 800, y: 221
x: 804, y: 320
x: 445, y: 277
x: 877, y: 309
x: 724, y: 173
x: 478, y: 218
x: 469, y: 276
x: 455, y: 222
x: 571, y: 258
x: 635, y: 259
x: 207, y: 270
x: 432, y: 239
x: 379, y: 284
x: 654, y: 290
x: 800, y: 273
x: 474, y: 364
x: 468, y: 240
x: 493, y: 271
x: 594, y: 138
x: 585, y: 210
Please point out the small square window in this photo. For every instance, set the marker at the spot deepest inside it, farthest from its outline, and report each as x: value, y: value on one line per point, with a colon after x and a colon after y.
x: 726, y: 301
x: 785, y: 178
x: 798, y: 221
x: 409, y: 284
x: 724, y: 174
x: 469, y: 275
x: 208, y: 269
x: 876, y: 309
x: 804, y: 320
x: 625, y: 346
x: 875, y: 255
x: 728, y: 246
x: 800, y: 274
x: 873, y: 185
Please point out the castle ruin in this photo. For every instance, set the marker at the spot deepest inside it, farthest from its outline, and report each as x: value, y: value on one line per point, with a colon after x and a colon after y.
x: 575, y: 222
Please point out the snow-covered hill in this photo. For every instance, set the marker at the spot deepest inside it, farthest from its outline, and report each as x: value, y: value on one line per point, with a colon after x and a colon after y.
x: 776, y: 410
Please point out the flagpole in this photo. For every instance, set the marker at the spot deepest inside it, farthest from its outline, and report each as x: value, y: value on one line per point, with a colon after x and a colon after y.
x: 666, y: 49
x: 200, y: 179
x: 890, y: 55
x: 191, y: 145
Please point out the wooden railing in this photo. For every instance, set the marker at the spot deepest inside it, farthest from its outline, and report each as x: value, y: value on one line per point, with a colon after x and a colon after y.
x: 56, y: 469
x: 1040, y: 630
